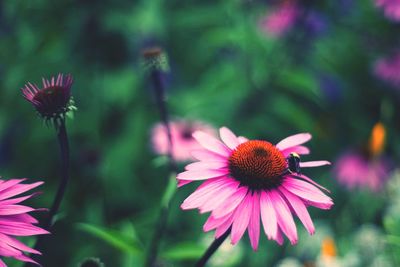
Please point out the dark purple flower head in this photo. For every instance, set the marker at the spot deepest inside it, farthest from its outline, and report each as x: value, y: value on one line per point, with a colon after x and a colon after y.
x: 54, y: 100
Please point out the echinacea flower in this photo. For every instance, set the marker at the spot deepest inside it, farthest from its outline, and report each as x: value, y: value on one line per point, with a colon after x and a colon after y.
x: 15, y: 220
x: 281, y: 19
x: 365, y: 168
x: 182, y: 141
x: 388, y: 69
x: 246, y: 180
x: 54, y: 100
x: 391, y: 8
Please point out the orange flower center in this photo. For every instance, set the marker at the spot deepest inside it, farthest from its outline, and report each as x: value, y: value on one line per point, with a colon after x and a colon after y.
x: 257, y: 164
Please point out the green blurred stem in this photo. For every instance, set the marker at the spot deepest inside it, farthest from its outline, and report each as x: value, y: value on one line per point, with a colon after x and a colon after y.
x: 64, y: 151
x: 212, y: 249
x: 152, y: 251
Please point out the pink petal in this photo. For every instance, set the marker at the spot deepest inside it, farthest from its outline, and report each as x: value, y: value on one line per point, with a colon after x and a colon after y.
x: 230, y: 203
x: 242, y: 139
x: 205, y: 155
x: 211, y: 143
x: 183, y: 182
x: 9, y: 183
x: 2, y: 264
x: 24, y: 218
x: 301, y: 150
x: 268, y: 216
x: 241, y: 219
x: 279, y: 237
x: 203, y: 193
x: 25, y: 259
x: 16, y: 200
x: 219, y: 196
x: 14, y: 209
x: 254, y: 224
x: 306, y: 191
x: 17, y: 189
x: 17, y: 244
x: 221, y: 229
x: 20, y: 229
x: 302, y: 176
x: 206, y: 165
x: 314, y: 163
x: 300, y: 209
x: 228, y: 138
x: 213, y: 223
x: 201, y: 175
x: 284, y: 216
x: 293, y: 140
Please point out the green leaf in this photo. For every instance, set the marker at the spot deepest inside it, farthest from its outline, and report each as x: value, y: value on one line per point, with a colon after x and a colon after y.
x: 112, y: 237
x: 184, y: 251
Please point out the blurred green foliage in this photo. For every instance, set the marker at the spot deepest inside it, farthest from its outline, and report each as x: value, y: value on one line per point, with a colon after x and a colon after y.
x: 224, y: 70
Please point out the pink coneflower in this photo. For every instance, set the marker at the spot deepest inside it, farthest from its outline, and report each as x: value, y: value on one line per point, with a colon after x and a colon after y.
x: 388, y: 69
x: 250, y: 179
x: 15, y: 220
x: 281, y: 19
x: 53, y: 101
x: 182, y: 141
x: 391, y: 8
x: 365, y: 169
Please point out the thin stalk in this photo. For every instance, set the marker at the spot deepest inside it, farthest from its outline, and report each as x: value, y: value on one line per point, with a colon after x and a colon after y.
x: 212, y: 249
x: 159, y: 90
x: 64, y: 152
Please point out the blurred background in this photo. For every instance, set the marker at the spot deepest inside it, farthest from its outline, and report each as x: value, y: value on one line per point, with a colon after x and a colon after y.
x: 265, y: 69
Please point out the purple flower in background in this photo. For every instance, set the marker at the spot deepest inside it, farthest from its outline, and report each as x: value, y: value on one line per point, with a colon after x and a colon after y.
x: 388, y: 69
x: 366, y: 170
x: 391, y: 8
x: 281, y: 19
x: 15, y: 220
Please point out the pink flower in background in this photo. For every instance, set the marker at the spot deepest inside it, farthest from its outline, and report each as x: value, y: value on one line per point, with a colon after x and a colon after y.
x: 182, y: 140
x: 355, y: 170
x: 388, y: 69
x: 248, y: 181
x: 368, y: 169
x: 15, y: 220
x: 281, y: 19
x: 391, y: 8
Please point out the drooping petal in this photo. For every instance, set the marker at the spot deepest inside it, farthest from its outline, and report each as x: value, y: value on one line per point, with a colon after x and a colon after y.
x: 293, y: 140
x: 17, y: 244
x: 206, y: 165
x: 284, y: 216
x: 241, y: 219
x: 230, y: 203
x: 228, y: 138
x: 183, y: 182
x: 314, y: 163
x: 14, y: 209
x: 213, y: 223
x: 301, y: 150
x: 219, y: 196
x: 201, y: 175
x: 205, y: 155
x: 242, y: 139
x: 306, y: 191
x: 302, y: 176
x: 222, y: 228
x: 202, y: 194
x: 211, y: 143
x: 20, y: 229
x: 268, y: 216
x: 17, y: 189
x: 300, y: 209
x: 254, y: 224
